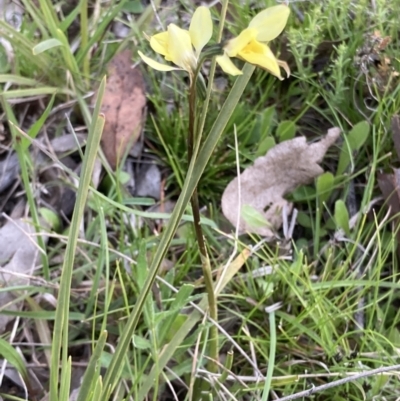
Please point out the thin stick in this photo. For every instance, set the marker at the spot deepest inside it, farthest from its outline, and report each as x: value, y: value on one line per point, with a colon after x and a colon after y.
x: 307, y: 393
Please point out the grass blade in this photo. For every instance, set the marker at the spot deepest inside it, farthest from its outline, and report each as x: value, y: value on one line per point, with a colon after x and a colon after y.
x: 60, y: 333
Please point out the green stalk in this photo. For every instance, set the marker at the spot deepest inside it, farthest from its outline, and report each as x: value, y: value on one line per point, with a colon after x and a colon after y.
x: 205, y: 261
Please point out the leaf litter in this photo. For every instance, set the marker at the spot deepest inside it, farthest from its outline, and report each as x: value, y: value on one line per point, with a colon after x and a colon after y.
x: 389, y: 184
x: 264, y: 184
x: 19, y: 256
x: 124, y: 104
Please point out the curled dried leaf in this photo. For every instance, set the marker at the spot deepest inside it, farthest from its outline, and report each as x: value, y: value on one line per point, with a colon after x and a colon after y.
x: 264, y: 184
x: 123, y: 105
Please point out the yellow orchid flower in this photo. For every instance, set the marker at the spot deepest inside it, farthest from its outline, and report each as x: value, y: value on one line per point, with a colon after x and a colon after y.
x: 251, y: 44
x: 182, y: 47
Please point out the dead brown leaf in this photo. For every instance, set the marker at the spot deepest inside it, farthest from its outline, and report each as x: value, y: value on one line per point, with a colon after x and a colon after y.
x: 396, y: 133
x: 19, y: 256
x: 264, y: 185
x: 389, y: 184
x: 123, y: 105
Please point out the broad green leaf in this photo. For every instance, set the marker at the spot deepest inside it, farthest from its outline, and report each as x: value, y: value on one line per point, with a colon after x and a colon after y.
x: 358, y: 135
x: 263, y: 126
x: 286, y: 130
x: 134, y: 6
x: 51, y: 218
x: 265, y: 145
x: 46, y: 45
x: 140, y: 342
x: 304, y: 193
x: 352, y: 142
x: 253, y: 217
x: 324, y: 186
x: 342, y: 216
x: 304, y: 220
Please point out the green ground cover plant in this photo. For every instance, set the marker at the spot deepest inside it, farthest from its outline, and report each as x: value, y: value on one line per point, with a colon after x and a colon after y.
x: 125, y: 304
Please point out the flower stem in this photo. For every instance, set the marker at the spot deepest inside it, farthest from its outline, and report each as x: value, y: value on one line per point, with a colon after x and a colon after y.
x: 205, y: 261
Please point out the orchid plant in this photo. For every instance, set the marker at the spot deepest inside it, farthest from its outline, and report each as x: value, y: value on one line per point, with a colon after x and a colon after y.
x: 186, y: 50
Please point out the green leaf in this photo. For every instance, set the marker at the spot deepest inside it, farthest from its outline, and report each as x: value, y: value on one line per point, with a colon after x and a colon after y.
x: 286, y: 130
x: 37, y: 126
x: 304, y: 220
x: 181, y: 300
x: 140, y: 342
x: 8, y: 352
x: 134, y: 6
x: 51, y: 218
x: 16, y: 79
x: 65, y: 384
x: 62, y: 320
x: 123, y: 177
x: 106, y: 360
x: 262, y: 128
x: 253, y: 217
x: 342, y: 216
x: 352, y: 142
x: 324, y: 187
x: 46, y: 45
x: 265, y: 145
x: 93, y: 369
x: 304, y: 193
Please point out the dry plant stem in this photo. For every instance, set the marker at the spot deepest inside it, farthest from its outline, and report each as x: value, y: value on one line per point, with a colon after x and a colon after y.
x: 205, y: 261
x: 313, y: 390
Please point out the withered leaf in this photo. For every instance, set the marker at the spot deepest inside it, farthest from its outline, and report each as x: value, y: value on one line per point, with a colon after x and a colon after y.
x: 396, y: 133
x: 389, y: 184
x: 19, y: 256
x: 123, y: 105
x: 265, y: 183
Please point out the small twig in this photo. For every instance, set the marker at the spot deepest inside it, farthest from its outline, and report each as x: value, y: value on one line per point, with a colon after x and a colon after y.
x: 313, y: 390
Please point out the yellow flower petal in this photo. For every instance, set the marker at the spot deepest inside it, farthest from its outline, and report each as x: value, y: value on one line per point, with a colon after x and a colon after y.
x: 270, y: 22
x: 155, y: 64
x: 201, y: 28
x: 159, y: 43
x: 262, y: 56
x: 235, y: 45
x: 180, y: 49
x: 227, y: 66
